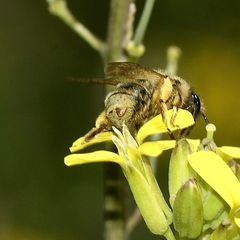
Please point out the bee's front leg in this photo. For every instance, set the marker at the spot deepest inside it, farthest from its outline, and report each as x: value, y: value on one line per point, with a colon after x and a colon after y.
x: 164, y: 110
x: 102, y: 124
x: 175, y: 111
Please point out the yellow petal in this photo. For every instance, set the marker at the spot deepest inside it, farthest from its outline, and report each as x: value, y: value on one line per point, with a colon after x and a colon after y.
x: 183, y: 119
x: 218, y: 175
x: 81, y: 143
x: 155, y: 148
x: 237, y: 221
x: 93, y: 157
x: 156, y: 125
x: 233, y: 152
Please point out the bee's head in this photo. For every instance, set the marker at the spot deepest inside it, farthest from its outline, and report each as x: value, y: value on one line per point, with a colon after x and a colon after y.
x: 119, y: 109
x: 197, y: 107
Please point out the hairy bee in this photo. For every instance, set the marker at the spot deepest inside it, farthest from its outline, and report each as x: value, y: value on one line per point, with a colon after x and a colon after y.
x: 140, y: 94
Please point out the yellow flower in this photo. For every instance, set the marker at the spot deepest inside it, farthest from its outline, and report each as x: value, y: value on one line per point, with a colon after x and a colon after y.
x: 135, y: 166
x: 156, y: 125
x: 215, y: 171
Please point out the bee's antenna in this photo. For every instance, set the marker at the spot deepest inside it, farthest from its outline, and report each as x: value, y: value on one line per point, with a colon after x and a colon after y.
x: 205, y: 118
x: 92, y: 80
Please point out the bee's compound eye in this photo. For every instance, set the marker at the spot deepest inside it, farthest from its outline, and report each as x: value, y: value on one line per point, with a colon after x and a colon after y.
x: 197, y: 103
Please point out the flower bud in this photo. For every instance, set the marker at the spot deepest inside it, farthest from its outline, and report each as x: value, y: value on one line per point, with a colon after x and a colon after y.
x: 214, y: 209
x: 213, y: 205
x: 179, y: 170
x: 225, y: 232
x: 188, y: 210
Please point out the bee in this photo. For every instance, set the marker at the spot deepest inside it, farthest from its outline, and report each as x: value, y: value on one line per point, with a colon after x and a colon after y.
x: 141, y: 93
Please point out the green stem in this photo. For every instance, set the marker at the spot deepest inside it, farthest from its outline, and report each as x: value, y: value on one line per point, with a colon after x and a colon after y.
x: 142, y: 25
x: 114, y: 187
x: 60, y: 9
x: 116, y: 29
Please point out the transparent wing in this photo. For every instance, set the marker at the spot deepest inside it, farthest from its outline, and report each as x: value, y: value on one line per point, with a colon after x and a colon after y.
x: 126, y: 72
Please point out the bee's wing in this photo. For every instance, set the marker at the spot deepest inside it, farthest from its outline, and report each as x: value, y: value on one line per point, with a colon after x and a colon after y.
x: 126, y: 71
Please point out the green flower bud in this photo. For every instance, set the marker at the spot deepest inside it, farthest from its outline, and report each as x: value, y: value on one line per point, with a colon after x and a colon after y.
x: 179, y: 169
x: 215, y: 223
x: 226, y: 232
x: 213, y: 205
x: 188, y: 210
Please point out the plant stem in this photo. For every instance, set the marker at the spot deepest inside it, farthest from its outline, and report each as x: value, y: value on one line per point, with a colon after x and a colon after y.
x: 60, y: 9
x: 116, y: 29
x: 114, y: 187
x: 142, y: 25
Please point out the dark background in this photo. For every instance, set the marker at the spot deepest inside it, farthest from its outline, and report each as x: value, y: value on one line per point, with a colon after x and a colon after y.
x: 41, y: 113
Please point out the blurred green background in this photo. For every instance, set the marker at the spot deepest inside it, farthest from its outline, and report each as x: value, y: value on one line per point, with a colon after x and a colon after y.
x: 41, y: 113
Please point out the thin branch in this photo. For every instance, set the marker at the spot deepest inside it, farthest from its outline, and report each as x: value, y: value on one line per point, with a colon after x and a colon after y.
x: 135, y: 48
x: 129, y: 24
x: 142, y: 25
x: 60, y: 9
x: 117, y: 29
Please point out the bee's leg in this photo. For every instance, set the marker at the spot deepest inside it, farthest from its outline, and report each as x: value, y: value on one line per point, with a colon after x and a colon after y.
x: 165, y: 119
x: 102, y: 125
x: 175, y: 111
x: 92, y: 133
x: 164, y: 113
